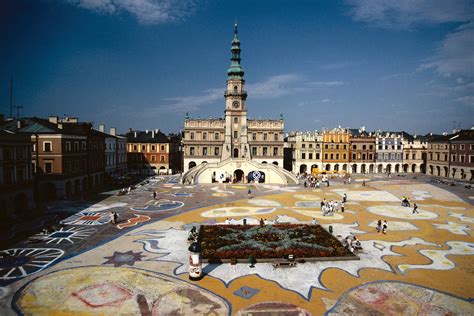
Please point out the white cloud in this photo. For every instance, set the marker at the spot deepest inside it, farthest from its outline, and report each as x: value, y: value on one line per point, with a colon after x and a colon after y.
x: 146, y: 11
x: 193, y: 102
x: 325, y: 83
x: 325, y: 100
x: 455, y: 55
x: 467, y: 100
x: 275, y: 86
x: 404, y: 14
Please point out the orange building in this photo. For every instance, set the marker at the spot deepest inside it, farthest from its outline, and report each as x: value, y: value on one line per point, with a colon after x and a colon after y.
x: 336, y: 145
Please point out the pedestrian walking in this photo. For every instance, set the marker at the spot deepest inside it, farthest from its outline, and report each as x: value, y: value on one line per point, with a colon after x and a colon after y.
x: 154, y: 195
x: 344, y: 198
x: 114, y: 217
x: 379, y: 226
x: 342, y: 207
x: 415, y: 209
x: 384, y: 227
x: 249, y: 193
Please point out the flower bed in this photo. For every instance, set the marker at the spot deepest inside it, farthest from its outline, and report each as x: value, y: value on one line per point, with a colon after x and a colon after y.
x: 224, y: 242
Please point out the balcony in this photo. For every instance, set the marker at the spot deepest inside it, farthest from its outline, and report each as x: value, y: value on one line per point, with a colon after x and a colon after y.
x: 242, y: 93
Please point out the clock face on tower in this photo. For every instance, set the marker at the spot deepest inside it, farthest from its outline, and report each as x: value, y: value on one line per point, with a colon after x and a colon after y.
x: 235, y: 104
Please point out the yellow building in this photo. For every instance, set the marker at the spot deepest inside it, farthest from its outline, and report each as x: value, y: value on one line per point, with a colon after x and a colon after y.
x: 336, y: 144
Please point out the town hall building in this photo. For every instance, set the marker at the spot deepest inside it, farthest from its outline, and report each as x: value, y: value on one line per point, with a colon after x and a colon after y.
x: 234, y: 148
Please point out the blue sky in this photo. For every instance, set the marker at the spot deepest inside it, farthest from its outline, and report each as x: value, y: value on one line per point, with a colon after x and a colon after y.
x: 390, y: 65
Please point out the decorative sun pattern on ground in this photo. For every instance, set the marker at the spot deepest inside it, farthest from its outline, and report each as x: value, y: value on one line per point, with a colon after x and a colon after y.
x: 119, y: 259
x: 66, y: 235
x: 20, y: 262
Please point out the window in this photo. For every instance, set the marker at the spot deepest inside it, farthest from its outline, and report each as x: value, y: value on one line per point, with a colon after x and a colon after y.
x: 275, y: 137
x: 47, y: 146
x: 363, y: 156
x: 413, y: 156
x: 303, y: 155
x: 406, y: 156
x: 453, y: 146
x: 344, y: 146
x: 254, y: 136
x: 265, y: 151
x: 303, y: 146
x: 191, y: 151
x: 236, y: 120
x: 153, y: 147
x: 153, y: 158
x: 371, y: 147
x: 254, y: 151
x: 216, y: 136
x: 216, y: 151
x: 461, y: 158
x: 380, y: 147
x: 84, y: 146
x: 275, y: 151
x: 143, y: 147
x: 370, y: 156
x: 317, y: 156
x: 48, y: 167
x: 445, y: 157
x: 453, y: 158
x: 68, y: 146
x: 265, y: 136
x: 325, y: 156
x: 236, y: 134
x: 162, y: 158
x: 204, y: 135
x: 332, y: 156
x: 471, y: 158
x: 326, y: 146
x: 337, y: 156
x: 354, y: 147
x: 191, y: 135
x: 204, y: 151
x: 431, y: 156
x: 310, y: 156
x: 344, y: 156
x: 353, y: 156
x: 162, y: 147
x: 364, y: 147
x: 310, y: 145
x: 461, y: 147
x: 135, y: 147
x: 337, y: 146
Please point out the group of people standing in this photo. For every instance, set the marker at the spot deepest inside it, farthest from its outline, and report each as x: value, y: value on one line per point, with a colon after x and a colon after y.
x: 331, y: 206
x: 382, y: 226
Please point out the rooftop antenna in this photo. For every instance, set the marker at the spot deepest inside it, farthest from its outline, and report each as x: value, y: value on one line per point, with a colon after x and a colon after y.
x: 18, y: 108
x: 11, y: 97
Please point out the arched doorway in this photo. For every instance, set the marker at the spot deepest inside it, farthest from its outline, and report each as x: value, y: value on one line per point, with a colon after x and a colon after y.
x: 388, y: 169
x: 336, y: 167
x: 68, y: 189
x: 362, y: 168
x: 431, y: 170
x: 238, y: 175
x: 354, y: 168
x: 314, y: 168
x: 236, y: 153
x: 438, y: 170
x: 20, y: 203
x: 422, y: 168
x: 192, y: 164
x: 380, y: 168
x: 463, y: 174
x: 454, y: 172
x: 50, y: 191
x: 413, y: 168
x: 371, y: 168
x: 405, y: 168
x: 303, y: 168
x: 275, y: 163
x: 446, y: 171
x: 77, y: 186
x: 264, y: 162
x: 397, y: 168
x: 344, y: 167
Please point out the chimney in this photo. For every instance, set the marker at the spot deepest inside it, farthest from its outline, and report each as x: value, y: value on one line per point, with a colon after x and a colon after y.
x: 101, y: 128
x: 156, y: 131
x: 129, y: 129
x: 135, y: 133
x: 18, y: 124
x: 113, y: 131
x: 153, y: 134
x: 53, y: 119
x: 60, y: 125
x: 147, y: 131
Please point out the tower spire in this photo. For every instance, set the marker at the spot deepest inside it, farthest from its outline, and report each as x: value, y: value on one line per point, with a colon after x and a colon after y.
x: 235, y: 70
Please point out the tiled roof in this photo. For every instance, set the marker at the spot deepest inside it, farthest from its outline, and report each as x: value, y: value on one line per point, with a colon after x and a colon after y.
x: 144, y: 137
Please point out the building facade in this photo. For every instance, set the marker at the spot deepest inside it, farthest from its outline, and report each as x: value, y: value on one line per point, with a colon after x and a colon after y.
x: 151, y: 152
x: 234, y: 147
x: 462, y: 155
x: 306, y: 149
x: 438, y: 156
x: 16, y: 181
x: 414, y: 154
x: 336, y: 149
x: 389, y: 152
x: 115, y: 159
x: 67, y: 157
x: 362, y: 151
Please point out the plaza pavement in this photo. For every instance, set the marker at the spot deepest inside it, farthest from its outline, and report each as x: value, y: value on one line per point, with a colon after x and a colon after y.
x: 422, y: 266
